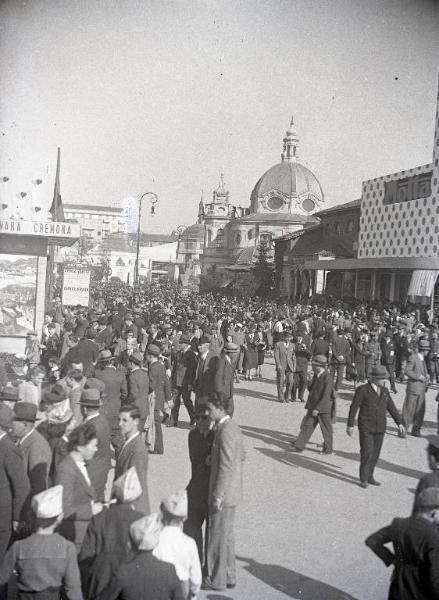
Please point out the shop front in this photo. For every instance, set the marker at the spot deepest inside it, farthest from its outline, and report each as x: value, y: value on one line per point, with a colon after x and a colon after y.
x: 24, y: 249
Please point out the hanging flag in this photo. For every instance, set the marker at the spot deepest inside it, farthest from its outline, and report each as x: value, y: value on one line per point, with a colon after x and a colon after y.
x: 57, y: 208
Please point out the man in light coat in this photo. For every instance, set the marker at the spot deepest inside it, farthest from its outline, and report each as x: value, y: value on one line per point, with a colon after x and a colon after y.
x: 225, y: 493
x: 413, y: 410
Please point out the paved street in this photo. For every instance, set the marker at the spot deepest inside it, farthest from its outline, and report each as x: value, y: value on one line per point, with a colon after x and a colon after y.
x: 300, y: 531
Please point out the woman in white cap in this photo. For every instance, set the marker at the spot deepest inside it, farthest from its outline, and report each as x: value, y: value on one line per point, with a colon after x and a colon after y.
x: 145, y: 577
x: 45, y: 561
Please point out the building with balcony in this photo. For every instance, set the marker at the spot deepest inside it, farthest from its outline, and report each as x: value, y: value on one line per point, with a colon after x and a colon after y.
x: 98, y: 222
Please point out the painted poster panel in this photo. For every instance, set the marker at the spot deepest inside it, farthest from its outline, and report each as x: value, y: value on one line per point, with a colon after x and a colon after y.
x: 18, y: 284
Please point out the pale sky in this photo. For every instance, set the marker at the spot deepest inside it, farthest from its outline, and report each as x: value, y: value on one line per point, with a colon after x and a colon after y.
x: 163, y: 96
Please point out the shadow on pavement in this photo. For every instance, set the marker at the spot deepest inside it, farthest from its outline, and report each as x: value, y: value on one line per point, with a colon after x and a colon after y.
x: 218, y: 597
x: 386, y: 465
x: 292, y: 583
x: 268, y: 436
x: 253, y: 394
x: 311, y: 464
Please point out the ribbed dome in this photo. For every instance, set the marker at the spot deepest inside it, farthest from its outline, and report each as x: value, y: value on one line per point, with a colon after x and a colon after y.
x: 291, y: 179
x: 194, y: 231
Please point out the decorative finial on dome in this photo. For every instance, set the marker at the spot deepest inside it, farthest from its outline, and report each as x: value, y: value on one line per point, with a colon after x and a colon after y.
x: 291, y: 143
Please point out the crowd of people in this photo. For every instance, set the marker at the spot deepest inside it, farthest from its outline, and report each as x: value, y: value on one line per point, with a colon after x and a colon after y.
x: 85, y: 405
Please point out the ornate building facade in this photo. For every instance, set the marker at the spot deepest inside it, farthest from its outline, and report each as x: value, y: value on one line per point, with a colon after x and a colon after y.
x: 283, y: 200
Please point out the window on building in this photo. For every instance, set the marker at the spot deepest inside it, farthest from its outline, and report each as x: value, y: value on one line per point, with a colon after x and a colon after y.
x: 209, y: 237
x: 350, y: 226
x: 219, y: 242
x: 250, y: 234
x: 338, y: 228
x: 238, y: 238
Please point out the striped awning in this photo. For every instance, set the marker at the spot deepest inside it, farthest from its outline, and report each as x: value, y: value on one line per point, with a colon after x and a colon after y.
x: 422, y: 283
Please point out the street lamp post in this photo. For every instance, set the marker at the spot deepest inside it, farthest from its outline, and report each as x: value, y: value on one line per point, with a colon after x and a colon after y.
x: 153, y: 200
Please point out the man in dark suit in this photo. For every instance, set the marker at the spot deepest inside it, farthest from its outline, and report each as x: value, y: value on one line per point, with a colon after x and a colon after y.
x: 86, y: 351
x: 285, y: 362
x: 159, y: 384
x: 373, y: 400
x: 388, y: 357
x: 318, y: 406
x: 184, y: 368
x: 200, y: 447
x: 301, y: 349
x: 225, y: 493
x: 341, y: 356
x: 99, y: 466
x: 416, y: 551
x: 225, y: 374
x: 14, y: 483
x: 138, y: 386
x: 206, y: 368
x: 116, y: 393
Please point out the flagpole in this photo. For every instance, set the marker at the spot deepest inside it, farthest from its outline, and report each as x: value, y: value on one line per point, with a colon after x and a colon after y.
x: 56, y: 213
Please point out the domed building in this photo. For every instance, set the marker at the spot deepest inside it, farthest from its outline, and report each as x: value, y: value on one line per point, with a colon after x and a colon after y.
x: 283, y: 201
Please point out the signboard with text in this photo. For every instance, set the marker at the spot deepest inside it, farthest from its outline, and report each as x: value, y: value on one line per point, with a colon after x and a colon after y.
x: 76, y: 286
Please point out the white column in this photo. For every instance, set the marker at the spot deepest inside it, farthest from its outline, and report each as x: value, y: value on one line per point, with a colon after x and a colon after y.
x: 40, y: 295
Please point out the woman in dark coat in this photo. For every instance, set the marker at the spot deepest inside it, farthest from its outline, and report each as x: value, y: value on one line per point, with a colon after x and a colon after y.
x: 78, y: 495
x: 250, y: 361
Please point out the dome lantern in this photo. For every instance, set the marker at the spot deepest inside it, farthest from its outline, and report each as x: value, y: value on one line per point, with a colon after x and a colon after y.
x: 291, y: 143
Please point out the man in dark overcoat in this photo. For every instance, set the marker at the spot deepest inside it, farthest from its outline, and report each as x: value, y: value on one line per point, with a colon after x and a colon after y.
x: 98, y: 467
x: 184, y: 368
x: 388, y: 357
x: 416, y: 551
x: 225, y: 374
x: 206, y: 368
x: 115, y: 393
x: 373, y: 401
x: 159, y: 384
x: 138, y: 386
x: 14, y: 482
x: 200, y: 447
x: 318, y: 406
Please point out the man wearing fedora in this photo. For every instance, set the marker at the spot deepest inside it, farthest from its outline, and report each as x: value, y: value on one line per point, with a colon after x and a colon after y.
x: 116, y: 393
x: 285, y: 361
x: 36, y: 451
x: 138, y: 386
x: 206, y: 368
x: 225, y: 374
x: 98, y: 466
x: 14, y: 483
x: 372, y: 400
x: 184, y: 367
x: 161, y: 386
x: 413, y: 410
x: 318, y: 406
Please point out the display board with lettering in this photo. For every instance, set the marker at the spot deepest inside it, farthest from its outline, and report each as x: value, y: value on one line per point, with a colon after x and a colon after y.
x: 76, y: 286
